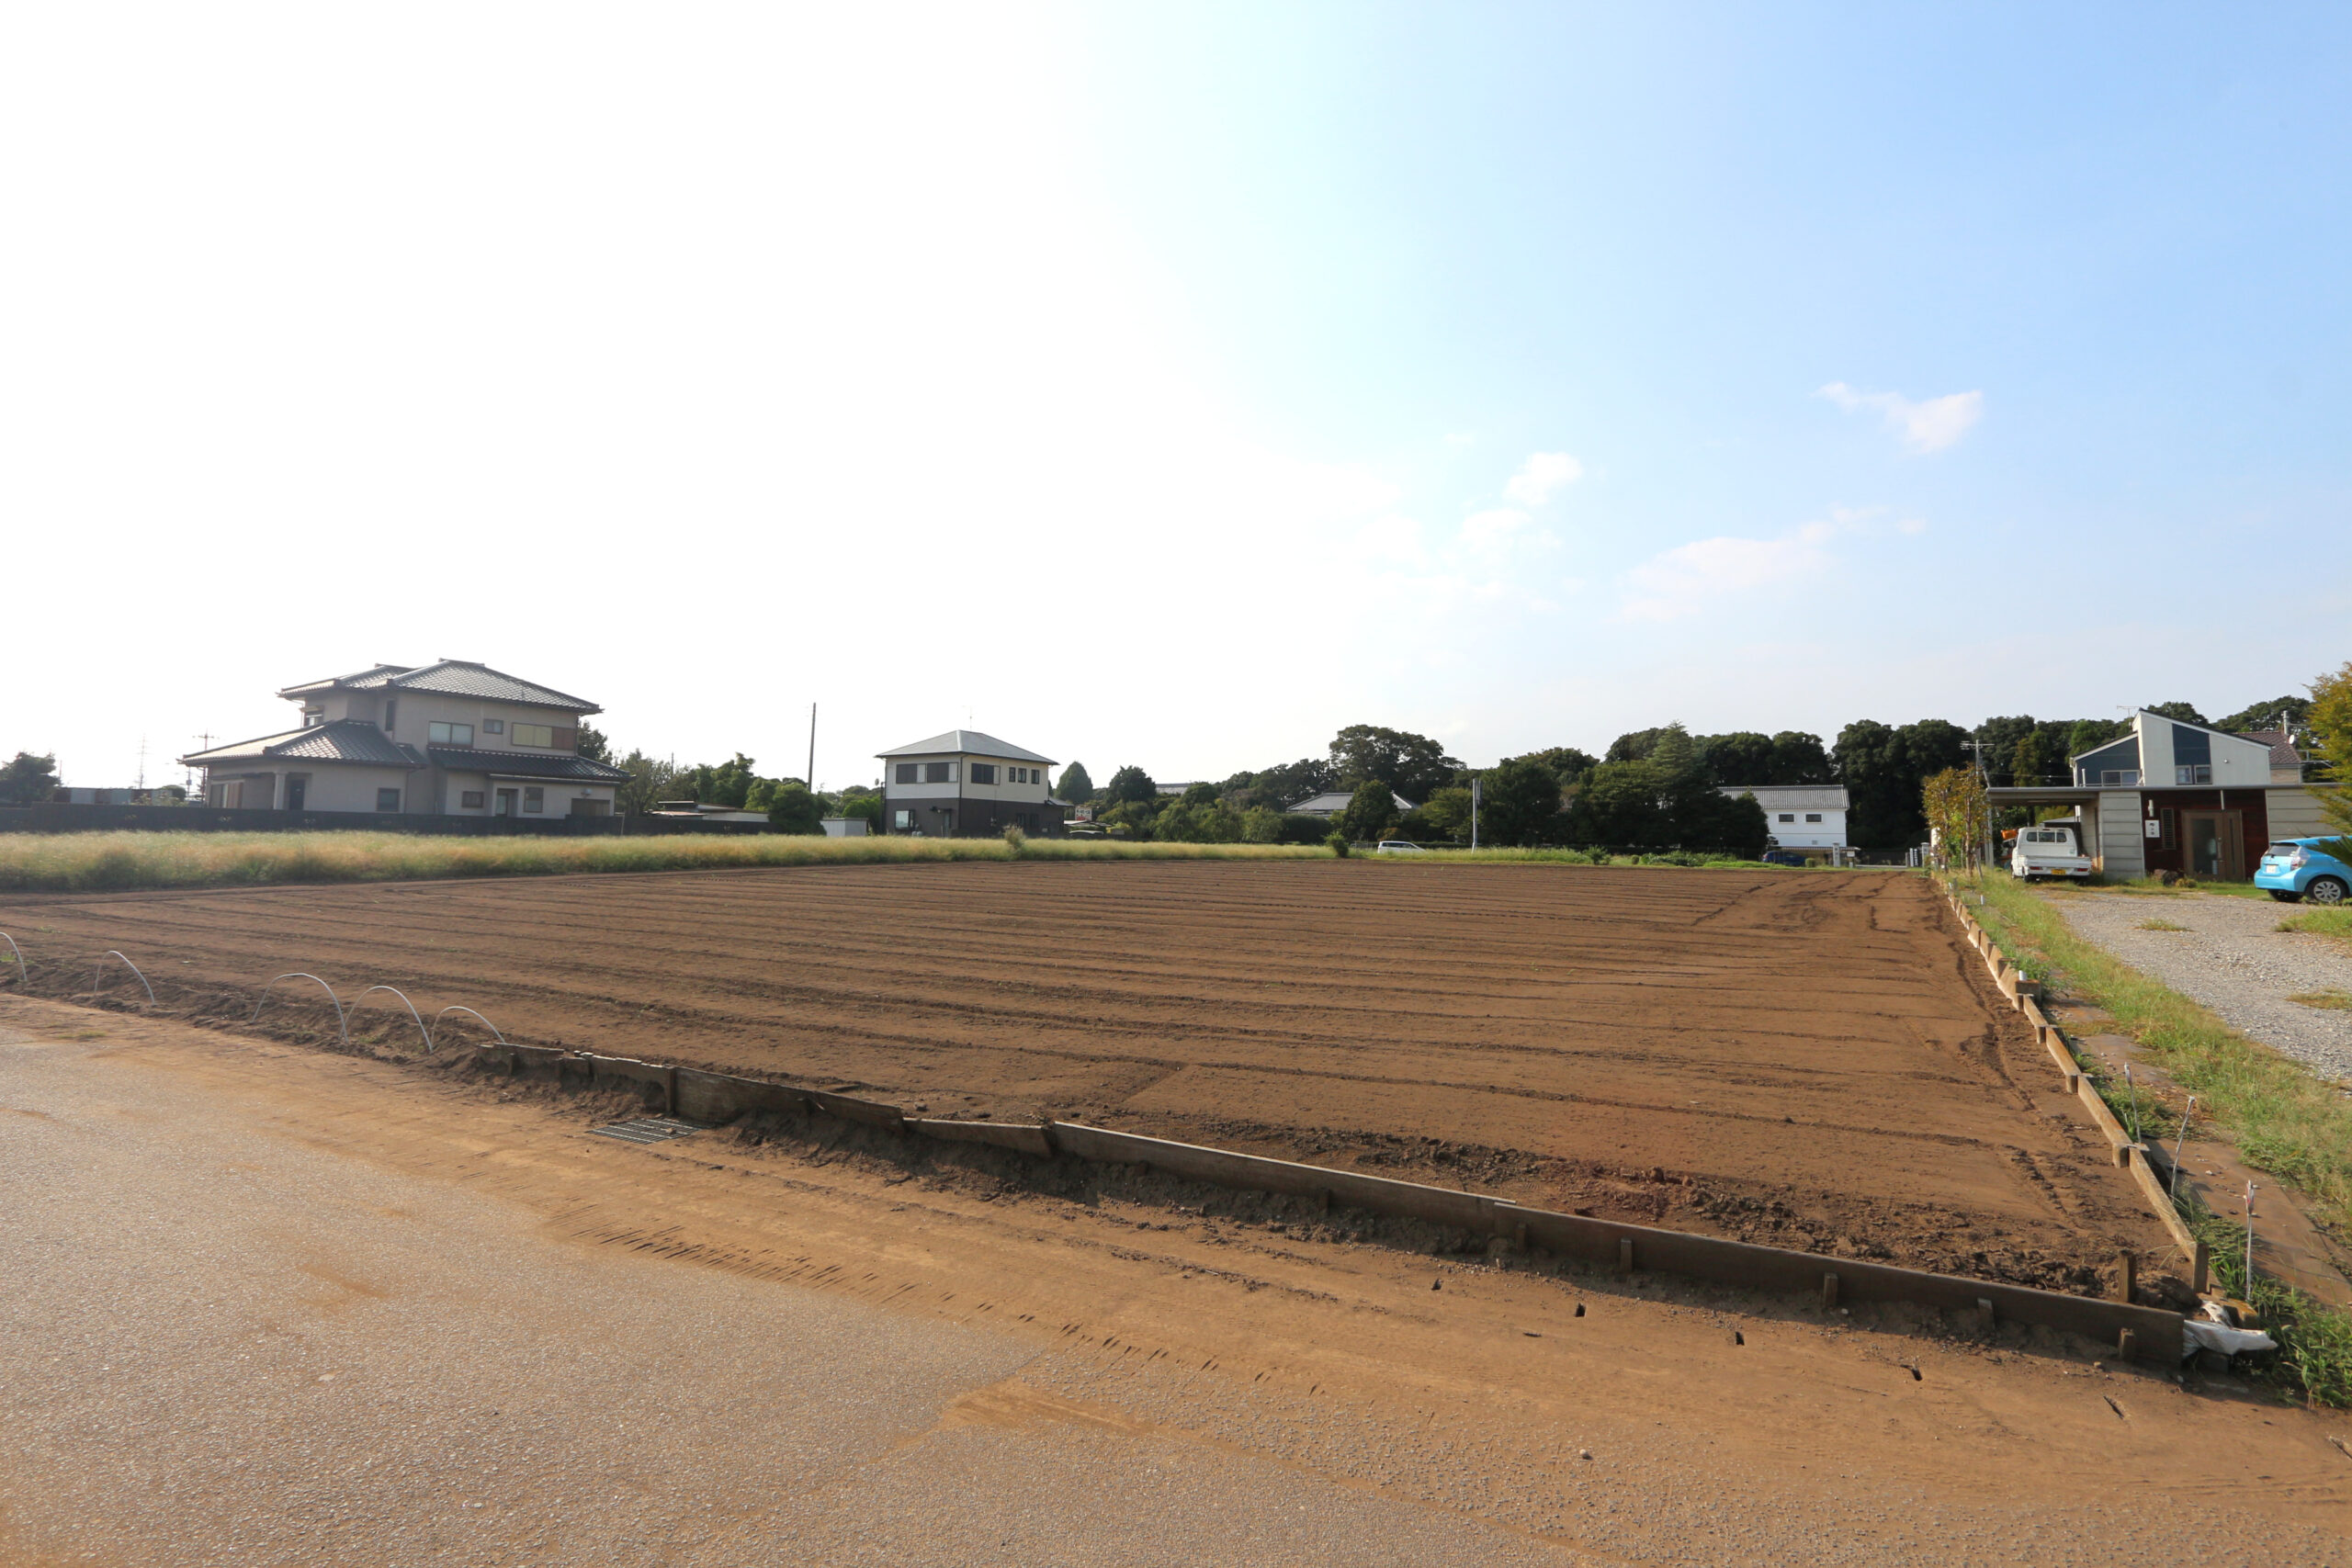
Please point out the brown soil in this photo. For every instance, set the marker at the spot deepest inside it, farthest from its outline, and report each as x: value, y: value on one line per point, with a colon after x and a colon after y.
x: 1804, y: 1060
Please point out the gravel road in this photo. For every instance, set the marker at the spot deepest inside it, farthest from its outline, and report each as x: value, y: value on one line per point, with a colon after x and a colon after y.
x: 2232, y: 958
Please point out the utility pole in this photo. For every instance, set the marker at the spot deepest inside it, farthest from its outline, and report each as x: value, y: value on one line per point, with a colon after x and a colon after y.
x: 812, y: 749
x: 1475, y: 781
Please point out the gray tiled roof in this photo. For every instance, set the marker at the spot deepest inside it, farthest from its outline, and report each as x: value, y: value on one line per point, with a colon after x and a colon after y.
x: 1331, y: 801
x: 1792, y: 797
x: 2283, y: 754
x: 342, y: 740
x: 967, y: 742
x: 527, y: 764
x: 451, y: 677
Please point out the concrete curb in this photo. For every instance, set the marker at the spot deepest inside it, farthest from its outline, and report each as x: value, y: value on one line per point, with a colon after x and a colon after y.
x: 2133, y: 1156
x: 2151, y: 1333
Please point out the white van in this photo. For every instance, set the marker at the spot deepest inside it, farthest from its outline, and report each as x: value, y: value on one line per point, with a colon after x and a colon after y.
x: 2050, y: 849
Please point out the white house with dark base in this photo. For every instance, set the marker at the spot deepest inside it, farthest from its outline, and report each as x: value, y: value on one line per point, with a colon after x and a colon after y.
x: 965, y: 785
x: 450, y: 738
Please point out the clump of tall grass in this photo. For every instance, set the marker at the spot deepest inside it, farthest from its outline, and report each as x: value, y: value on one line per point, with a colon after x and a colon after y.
x: 99, y: 863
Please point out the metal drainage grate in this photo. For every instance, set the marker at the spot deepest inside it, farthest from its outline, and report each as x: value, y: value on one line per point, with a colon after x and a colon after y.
x: 649, y: 1130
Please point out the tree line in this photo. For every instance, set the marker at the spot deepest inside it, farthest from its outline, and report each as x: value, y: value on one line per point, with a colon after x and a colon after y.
x: 737, y: 783
x: 1660, y: 787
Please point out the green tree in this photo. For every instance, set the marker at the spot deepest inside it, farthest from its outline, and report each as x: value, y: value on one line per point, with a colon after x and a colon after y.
x: 1742, y: 757
x: 726, y: 784
x: 1565, y: 764
x: 2289, y: 712
x: 652, y: 780
x: 858, y: 802
x: 2090, y: 734
x: 1370, y: 810
x: 594, y: 745
x: 1884, y: 769
x: 1284, y: 786
x: 1619, y: 806
x: 2330, y: 718
x: 1203, y: 794
x: 1634, y: 746
x: 1074, y: 785
x: 1519, y: 804
x: 1952, y: 805
x: 1412, y: 765
x: 2032, y: 761
x: 2185, y: 712
x: 1448, y: 813
x: 792, y: 809
x: 1800, y: 759
x: 1675, y: 756
x: 28, y: 780
x: 1130, y: 786
x: 1262, y: 825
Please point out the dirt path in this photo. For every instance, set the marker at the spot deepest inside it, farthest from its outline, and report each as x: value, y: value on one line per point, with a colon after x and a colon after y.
x: 1803, y: 1060
x: 2233, y: 958
x: 313, y: 1307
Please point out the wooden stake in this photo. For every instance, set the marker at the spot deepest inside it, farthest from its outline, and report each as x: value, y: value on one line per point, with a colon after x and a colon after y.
x: 2127, y: 1271
x: 1830, y: 1292
x: 1625, y: 1254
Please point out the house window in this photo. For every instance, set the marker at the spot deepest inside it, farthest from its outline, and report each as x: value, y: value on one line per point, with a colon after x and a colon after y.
x: 533, y: 735
x: 493, y: 726
x: 469, y: 800
x: 984, y: 773
x: 448, y: 734
x: 1812, y: 816
x: 535, y: 799
x: 2193, y: 773
x: 1788, y: 815
x: 388, y: 800
x: 904, y: 819
x: 908, y: 771
x: 939, y: 773
x: 2120, y: 776
x: 2165, y: 834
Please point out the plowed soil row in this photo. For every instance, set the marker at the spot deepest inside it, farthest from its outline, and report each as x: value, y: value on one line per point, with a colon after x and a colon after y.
x: 1801, y: 1059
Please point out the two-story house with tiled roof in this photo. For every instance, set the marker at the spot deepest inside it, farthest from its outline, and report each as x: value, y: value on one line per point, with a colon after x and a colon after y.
x: 965, y: 785
x: 449, y: 739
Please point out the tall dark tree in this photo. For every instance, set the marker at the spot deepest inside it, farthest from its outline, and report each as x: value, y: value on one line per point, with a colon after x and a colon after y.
x: 1519, y: 804
x: 1634, y: 746
x: 1565, y: 764
x: 594, y: 745
x: 1742, y: 757
x: 1884, y: 769
x: 28, y: 780
x: 1130, y: 783
x: 1619, y: 806
x: 1074, y: 785
x: 1800, y: 759
x: 792, y: 809
x: 2295, y: 711
x: 1280, y: 788
x: 1370, y: 811
x: 2184, y: 711
x: 1413, y: 765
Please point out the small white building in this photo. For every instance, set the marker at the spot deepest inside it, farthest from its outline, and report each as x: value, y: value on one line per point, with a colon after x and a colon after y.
x: 965, y: 785
x: 1807, y: 819
x: 450, y: 738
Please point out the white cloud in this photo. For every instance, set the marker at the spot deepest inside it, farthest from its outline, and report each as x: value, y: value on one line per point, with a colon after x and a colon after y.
x: 1487, y: 530
x: 1925, y: 426
x: 1690, y: 578
x: 1540, y: 476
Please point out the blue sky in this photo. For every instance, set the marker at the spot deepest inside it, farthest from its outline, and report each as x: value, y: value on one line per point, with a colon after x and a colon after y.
x: 1175, y: 384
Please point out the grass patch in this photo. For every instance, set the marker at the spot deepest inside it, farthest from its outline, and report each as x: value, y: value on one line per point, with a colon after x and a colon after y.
x: 2161, y: 924
x: 2341, y: 1001
x: 2284, y: 1119
x: 2336, y: 923
x: 85, y: 863
x: 2315, y: 1340
x: 110, y: 863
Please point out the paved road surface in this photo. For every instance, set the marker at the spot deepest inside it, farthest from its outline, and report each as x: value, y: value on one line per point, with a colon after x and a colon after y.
x: 263, y: 1305
x: 227, y: 1345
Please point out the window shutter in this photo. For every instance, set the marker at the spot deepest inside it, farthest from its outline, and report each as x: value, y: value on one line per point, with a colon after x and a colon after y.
x: 566, y: 738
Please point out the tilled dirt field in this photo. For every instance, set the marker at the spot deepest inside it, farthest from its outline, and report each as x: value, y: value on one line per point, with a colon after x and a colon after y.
x: 1801, y: 1059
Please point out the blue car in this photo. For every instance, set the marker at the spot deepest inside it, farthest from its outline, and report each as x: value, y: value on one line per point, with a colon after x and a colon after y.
x: 2297, y: 869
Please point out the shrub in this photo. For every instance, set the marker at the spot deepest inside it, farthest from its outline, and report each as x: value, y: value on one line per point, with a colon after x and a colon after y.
x: 1339, y: 842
